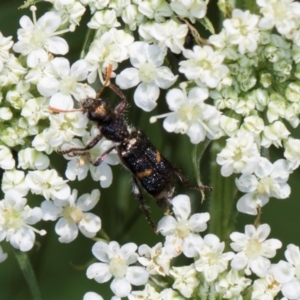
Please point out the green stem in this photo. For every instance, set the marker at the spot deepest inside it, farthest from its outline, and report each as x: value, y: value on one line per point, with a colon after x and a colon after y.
x: 222, y: 199
x: 28, y: 273
x: 197, y: 153
x: 89, y: 37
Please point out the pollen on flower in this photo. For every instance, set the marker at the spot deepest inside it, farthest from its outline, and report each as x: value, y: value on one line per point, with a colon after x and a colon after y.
x: 253, y: 248
x: 118, y: 267
x: 73, y: 213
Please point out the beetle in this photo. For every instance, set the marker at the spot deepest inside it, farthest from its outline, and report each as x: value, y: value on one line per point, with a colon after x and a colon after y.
x: 149, y: 168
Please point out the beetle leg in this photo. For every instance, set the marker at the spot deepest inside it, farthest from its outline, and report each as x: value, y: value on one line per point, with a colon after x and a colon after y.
x: 138, y: 195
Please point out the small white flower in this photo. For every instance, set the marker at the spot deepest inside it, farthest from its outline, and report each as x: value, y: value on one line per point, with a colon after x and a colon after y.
x: 265, y: 288
x: 63, y: 127
x: 35, y: 109
x: 15, y: 220
x: 29, y: 158
x: 73, y: 215
x: 204, y: 65
x: 225, y: 98
x: 274, y: 134
x: 211, y: 261
x: 191, y: 115
x: 182, y: 232
x: 186, y: 280
x: 155, y: 259
x: 147, y: 293
x: 240, y: 155
x: 192, y: 10
x: 5, y: 113
x: 11, y: 71
x: 276, y: 108
x: 229, y: 125
x: 5, y: 46
x: 157, y: 10
x: 148, y: 72
x: 70, y: 11
x: 14, y: 180
x: 253, y: 124
x: 38, y: 37
x: 170, y: 294
x: 287, y: 273
x: 170, y: 34
x: 253, y: 249
x: 6, y: 159
x: 232, y: 284
x: 115, y: 262
x: 48, y: 184
x: 283, y: 14
x: 292, y: 152
x: 242, y: 30
x: 269, y: 181
x: 132, y: 17
x: 104, y: 20
x: 78, y: 166
x: 109, y: 49
x: 60, y: 82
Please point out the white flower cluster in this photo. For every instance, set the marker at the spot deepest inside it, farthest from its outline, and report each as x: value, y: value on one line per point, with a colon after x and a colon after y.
x: 263, y: 97
x: 213, y: 273
x: 243, y: 83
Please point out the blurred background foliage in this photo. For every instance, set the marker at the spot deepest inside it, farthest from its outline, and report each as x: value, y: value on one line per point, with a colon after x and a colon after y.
x: 60, y: 268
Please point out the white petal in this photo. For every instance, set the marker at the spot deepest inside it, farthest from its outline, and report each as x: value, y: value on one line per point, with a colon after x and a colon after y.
x: 164, y: 77
x: 167, y: 225
x: 100, y: 251
x: 260, y: 266
x: 291, y: 289
x: 48, y: 86
x: 23, y: 239
x: 57, y: 45
x: 264, y: 168
x: 197, y: 222
x: 181, y: 207
x: 155, y: 56
x: 120, y: 287
x: 79, y: 70
x: 247, y: 183
x: 191, y: 245
x: 34, y: 216
x: 175, y: 99
x: 89, y: 225
x: 137, y: 275
x: 61, y: 101
x: 99, y: 271
x: 50, y: 211
x: 137, y: 52
x: 128, y: 78
x: 68, y: 231
x: 36, y: 57
x: 92, y: 296
x: 239, y: 261
x: 61, y: 66
x: 283, y: 271
x: 50, y: 21
x: 196, y: 133
x: 87, y: 202
x: 292, y: 254
x: 262, y: 231
x: 26, y: 23
x: 128, y: 253
x: 145, y: 96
